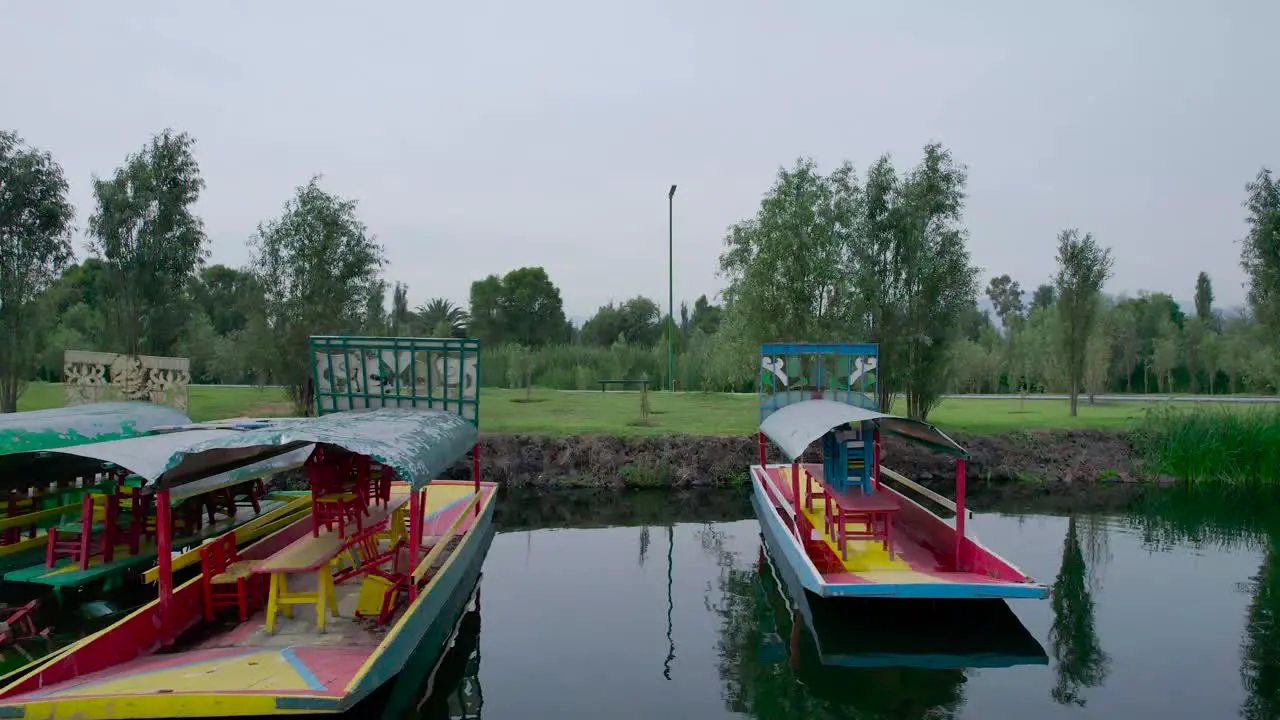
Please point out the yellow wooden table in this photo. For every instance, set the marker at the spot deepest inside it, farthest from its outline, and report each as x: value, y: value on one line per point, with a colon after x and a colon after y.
x: 318, y: 555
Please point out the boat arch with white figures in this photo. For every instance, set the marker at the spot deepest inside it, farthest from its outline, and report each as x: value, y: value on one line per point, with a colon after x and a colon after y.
x: 837, y: 525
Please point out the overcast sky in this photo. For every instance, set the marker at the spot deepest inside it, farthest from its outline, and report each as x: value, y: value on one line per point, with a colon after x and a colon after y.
x: 481, y: 136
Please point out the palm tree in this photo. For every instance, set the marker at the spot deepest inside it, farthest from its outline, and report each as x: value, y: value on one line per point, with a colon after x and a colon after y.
x: 441, y: 318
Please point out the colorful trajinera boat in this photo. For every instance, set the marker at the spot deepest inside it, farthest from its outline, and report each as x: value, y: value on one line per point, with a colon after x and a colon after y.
x: 31, y: 503
x: 317, y: 614
x: 837, y: 524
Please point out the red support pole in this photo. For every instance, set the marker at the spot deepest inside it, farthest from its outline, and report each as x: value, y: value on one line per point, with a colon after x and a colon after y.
x: 795, y: 498
x: 475, y: 466
x: 960, y: 471
x: 875, y: 458
x: 415, y: 537
x: 762, y: 452
x: 164, y: 541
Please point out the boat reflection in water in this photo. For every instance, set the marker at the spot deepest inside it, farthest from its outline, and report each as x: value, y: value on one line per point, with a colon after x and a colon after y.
x: 807, y: 656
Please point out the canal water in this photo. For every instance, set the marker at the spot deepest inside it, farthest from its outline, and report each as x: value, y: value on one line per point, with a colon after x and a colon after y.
x: 594, y: 606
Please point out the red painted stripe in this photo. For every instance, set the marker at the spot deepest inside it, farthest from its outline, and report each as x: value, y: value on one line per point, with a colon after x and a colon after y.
x: 333, y: 667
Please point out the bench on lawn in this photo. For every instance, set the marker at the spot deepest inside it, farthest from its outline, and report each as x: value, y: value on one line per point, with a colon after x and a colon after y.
x: 605, y: 383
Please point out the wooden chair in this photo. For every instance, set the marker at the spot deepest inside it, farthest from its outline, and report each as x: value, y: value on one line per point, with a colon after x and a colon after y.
x: 18, y: 623
x: 75, y: 539
x: 227, y: 580
x: 18, y: 504
x: 333, y: 500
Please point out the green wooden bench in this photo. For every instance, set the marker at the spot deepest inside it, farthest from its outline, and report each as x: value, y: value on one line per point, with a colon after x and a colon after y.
x: 606, y: 383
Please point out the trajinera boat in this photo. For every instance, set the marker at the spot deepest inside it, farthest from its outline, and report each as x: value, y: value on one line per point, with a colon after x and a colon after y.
x: 837, y: 524
x: 316, y: 615
x: 31, y: 504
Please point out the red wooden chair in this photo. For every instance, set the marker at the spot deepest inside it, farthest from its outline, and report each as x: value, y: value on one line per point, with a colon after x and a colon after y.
x: 18, y: 623
x: 76, y: 540
x: 331, y: 499
x: 227, y: 580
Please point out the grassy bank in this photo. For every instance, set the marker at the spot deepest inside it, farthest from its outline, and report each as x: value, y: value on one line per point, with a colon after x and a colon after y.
x: 618, y: 412
x: 1211, y: 444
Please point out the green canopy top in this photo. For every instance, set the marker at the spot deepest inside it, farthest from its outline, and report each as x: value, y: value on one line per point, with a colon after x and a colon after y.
x: 78, y: 424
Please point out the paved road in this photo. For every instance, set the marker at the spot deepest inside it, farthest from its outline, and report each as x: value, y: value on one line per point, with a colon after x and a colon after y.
x: 1112, y: 398
x: 1136, y: 398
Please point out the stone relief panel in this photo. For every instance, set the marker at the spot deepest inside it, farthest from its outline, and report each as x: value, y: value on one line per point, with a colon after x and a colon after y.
x: 89, y: 377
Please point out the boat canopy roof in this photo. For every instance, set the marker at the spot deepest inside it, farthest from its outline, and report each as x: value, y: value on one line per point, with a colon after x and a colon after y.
x: 794, y: 427
x: 78, y: 424
x: 146, y: 456
x: 417, y: 444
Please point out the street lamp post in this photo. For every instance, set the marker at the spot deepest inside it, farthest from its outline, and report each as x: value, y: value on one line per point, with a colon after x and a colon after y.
x: 671, y: 293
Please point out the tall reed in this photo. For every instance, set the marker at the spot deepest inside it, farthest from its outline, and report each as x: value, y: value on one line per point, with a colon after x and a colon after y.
x: 1215, y: 443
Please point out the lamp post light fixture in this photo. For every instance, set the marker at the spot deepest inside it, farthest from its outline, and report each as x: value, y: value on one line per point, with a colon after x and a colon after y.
x: 671, y: 294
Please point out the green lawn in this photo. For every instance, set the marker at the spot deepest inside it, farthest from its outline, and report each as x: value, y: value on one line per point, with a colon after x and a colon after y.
x: 618, y: 412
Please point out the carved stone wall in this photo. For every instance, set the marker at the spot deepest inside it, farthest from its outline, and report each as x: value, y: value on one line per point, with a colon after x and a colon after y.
x: 89, y: 377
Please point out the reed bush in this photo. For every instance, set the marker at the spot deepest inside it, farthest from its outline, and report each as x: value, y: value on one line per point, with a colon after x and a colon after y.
x: 1212, y: 443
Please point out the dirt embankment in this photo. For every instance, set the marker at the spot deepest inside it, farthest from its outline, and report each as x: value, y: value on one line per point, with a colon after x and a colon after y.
x: 1026, y: 463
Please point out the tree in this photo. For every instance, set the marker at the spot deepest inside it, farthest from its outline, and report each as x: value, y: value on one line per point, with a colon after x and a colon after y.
x: 784, y: 266
x: 1006, y: 297
x: 35, y: 245
x: 1194, y: 338
x: 151, y: 241
x: 910, y: 270
x: 1127, y: 340
x: 229, y: 296
x: 1044, y: 296
x: 1260, y: 252
x: 1165, y: 356
x: 635, y: 321
x: 1210, y: 355
x: 1204, y: 299
x: 320, y: 268
x: 400, y: 314
x: 1083, y: 267
x: 705, y: 317
x: 1098, y: 348
x: 441, y: 318
x: 523, y: 307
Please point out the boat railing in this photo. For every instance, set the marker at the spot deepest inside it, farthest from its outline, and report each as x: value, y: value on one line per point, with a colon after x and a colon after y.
x: 442, y: 541
x: 917, y: 487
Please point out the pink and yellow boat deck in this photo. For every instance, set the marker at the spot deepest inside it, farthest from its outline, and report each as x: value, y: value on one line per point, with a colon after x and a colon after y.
x: 921, y: 560
x: 246, y: 670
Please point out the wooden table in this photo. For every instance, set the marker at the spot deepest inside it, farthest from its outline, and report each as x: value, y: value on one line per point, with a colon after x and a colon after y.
x: 854, y: 504
x: 315, y: 554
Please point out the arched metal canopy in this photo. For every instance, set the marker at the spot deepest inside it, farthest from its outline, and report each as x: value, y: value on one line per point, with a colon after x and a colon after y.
x: 795, y: 427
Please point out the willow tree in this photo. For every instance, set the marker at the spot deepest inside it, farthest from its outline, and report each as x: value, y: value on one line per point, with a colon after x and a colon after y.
x: 1083, y: 267
x: 911, y: 274
x: 35, y: 246
x: 824, y: 259
x: 786, y: 265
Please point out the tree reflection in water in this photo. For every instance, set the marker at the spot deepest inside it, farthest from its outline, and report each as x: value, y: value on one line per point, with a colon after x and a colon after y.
x: 770, y: 666
x: 1080, y: 662
x: 1260, y: 654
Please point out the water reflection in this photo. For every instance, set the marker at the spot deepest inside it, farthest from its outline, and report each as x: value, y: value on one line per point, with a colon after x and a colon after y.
x: 1145, y: 621
x: 1077, y: 651
x: 786, y: 653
